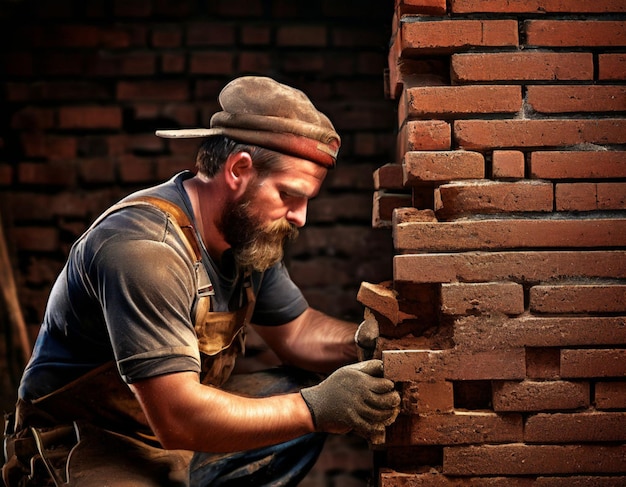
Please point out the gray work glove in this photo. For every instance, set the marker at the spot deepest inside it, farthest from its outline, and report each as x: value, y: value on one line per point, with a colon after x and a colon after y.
x: 366, y: 337
x: 354, y: 398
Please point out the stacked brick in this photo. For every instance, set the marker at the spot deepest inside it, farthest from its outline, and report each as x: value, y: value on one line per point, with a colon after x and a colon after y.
x: 505, y: 322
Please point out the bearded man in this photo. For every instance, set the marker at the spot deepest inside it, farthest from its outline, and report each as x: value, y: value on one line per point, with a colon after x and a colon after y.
x: 129, y: 382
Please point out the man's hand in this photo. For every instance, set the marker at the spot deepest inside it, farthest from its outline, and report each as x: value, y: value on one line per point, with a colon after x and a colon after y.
x: 366, y: 337
x: 354, y: 398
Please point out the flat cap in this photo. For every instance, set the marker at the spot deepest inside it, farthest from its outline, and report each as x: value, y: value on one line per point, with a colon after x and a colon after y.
x: 260, y: 111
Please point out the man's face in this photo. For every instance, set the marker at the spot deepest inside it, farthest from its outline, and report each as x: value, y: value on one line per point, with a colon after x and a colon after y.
x: 258, y: 224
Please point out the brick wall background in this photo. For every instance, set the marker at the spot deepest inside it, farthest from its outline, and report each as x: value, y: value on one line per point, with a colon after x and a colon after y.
x: 505, y: 320
x: 87, y: 82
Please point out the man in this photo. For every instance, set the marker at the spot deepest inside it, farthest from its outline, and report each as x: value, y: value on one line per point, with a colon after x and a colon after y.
x: 130, y: 370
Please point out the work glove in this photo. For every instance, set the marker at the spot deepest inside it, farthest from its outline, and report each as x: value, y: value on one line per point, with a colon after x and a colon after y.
x: 366, y: 337
x: 354, y: 398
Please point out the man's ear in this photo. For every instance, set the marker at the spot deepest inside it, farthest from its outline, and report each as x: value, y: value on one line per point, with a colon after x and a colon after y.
x: 238, y: 171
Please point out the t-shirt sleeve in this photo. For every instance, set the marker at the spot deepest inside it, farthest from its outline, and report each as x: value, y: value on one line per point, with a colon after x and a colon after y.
x: 146, y: 290
x: 278, y: 299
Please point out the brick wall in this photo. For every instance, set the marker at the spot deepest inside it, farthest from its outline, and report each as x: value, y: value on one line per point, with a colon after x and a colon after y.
x: 85, y: 84
x: 505, y: 321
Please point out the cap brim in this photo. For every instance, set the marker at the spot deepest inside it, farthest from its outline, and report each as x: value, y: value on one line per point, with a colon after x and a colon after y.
x: 188, y: 133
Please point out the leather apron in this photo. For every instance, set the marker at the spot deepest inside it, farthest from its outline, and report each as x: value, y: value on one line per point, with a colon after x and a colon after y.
x: 101, y: 398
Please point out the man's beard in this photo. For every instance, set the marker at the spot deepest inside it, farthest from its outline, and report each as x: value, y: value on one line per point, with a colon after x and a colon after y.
x: 254, y: 244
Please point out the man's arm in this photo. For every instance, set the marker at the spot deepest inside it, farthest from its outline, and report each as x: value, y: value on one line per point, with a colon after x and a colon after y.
x: 313, y: 341
x: 184, y: 414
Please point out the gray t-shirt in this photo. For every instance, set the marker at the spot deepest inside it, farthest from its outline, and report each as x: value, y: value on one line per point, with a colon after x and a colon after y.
x: 126, y: 293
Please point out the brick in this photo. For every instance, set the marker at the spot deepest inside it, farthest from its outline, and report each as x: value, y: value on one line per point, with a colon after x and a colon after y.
x: 543, y: 363
x: 211, y: 62
x: 210, y: 34
x: 463, y: 299
x: 593, y: 363
x: 301, y: 35
x: 427, y: 397
x: 579, y: 298
x: 590, y: 196
x: 152, y: 90
x: 521, y: 66
x: 538, y: 332
x: 443, y: 166
x: 31, y: 119
x: 491, y: 197
x: 384, y: 204
x: 426, y: 135
x: 575, y: 33
x: 531, y: 396
x: 172, y: 62
x: 601, y: 164
x: 437, y: 365
x: 425, y: 7
x: 520, y: 459
x: 255, y: 35
x: 55, y: 174
x: 505, y: 266
x: 166, y: 37
x: 50, y: 147
x: 460, y: 101
x: 610, y: 395
x: 133, y: 8
x: 576, y: 427
x: 537, y: 6
x: 90, y: 117
x: 612, y: 66
x: 381, y: 299
x: 457, y: 428
x: 442, y: 36
x: 509, y: 233
x: 508, y: 164
x: 567, y: 99
x: 388, y: 176
x: 36, y: 239
x: 485, y: 134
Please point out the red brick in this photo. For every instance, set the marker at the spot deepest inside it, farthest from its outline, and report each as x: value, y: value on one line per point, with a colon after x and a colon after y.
x: 31, y: 119
x: 90, y: 117
x: 211, y: 63
x: 593, y: 363
x: 448, y: 35
x: 521, y: 66
x: 575, y: 427
x: 455, y: 429
x: 55, y: 174
x: 134, y: 169
x: 590, y: 196
x: 429, y: 166
x: 530, y: 396
x: 210, y: 34
x: 255, y: 34
x: 575, y: 33
x: 455, y: 101
x: 423, y: 135
x: 427, y: 397
x: 388, y: 176
x: 566, y: 99
x: 578, y: 164
x: 504, y: 266
x: 538, y: 333
x: 612, y: 66
x: 580, y: 298
x: 133, y: 8
x: 425, y: 7
x: 254, y: 62
x: 508, y: 234
x: 537, y: 6
x: 384, y: 204
x: 484, y: 134
x: 36, y: 239
x: 610, y: 395
x: 152, y: 90
x: 519, y: 459
x: 543, y: 363
x: 437, y: 365
x: 166, y: 37
x: 50, y: 147
x: 507, y: 164
x: 489, y: 197
x: 301, y: 35
x: 6, y: 174
x: 464, y: 299
x: 172, y: 62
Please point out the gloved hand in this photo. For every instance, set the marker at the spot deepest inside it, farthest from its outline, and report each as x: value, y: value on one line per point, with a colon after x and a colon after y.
x: 366, y: 337
x: 354, y: 398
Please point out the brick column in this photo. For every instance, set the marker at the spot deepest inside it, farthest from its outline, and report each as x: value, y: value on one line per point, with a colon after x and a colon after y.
x: 505, y: 323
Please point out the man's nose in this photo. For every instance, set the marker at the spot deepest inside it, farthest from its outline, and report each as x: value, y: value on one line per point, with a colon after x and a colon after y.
x: 297, y: 214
